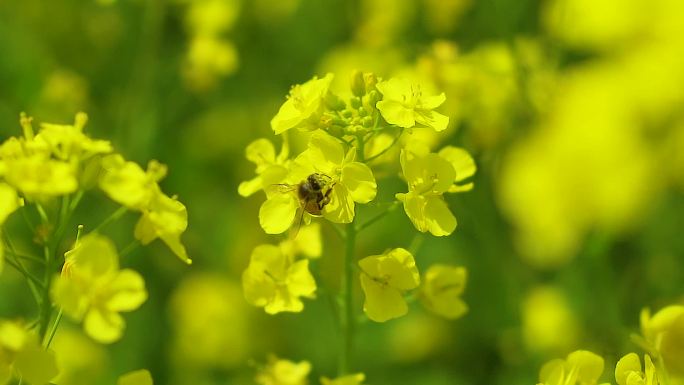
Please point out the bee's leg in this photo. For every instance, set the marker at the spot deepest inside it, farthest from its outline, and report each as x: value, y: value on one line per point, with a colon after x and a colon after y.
x: 325, y: 199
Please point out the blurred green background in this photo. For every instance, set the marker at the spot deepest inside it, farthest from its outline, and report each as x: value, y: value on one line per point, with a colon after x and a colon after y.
x: 571, y: 109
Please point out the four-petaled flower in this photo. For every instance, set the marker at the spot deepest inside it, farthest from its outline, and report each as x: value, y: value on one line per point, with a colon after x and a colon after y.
x: 405, y: 105
x: 429, y: 176
x: 441, y: 289
x: 628, y: 371
x: 274, y: 281
x: 303, y: 106
x: 94, y: 290
x: 581, y: 367
x: 270, y: 168
x: 350, y: 182
x: 384, y: 279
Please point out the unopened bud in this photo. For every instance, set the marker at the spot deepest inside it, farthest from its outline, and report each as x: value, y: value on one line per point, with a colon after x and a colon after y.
x: 358, y: 83
x: 370, y: 80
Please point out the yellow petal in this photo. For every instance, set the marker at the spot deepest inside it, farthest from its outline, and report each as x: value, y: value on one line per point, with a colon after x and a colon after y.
x: 359, y: 180
x: 277, y: 213
x: 300, y: 282
x: 552, y: 372
x: 128, y: 291
x: 414, y: 206
x: 438, y: 218
x: 350, y: 379
x: 441, y: 290
x: 460, y: 159
x: 627, y: 364
x: 260, y: 152
x: 138, y: 377
x: 35, y: 365
x: 341, y: 206
x: 103, y: 326
x: 432, y: 102
x: 394, y: 112
x: 325, y: 151
x: 251, y: 186
x: 400, y: 268
x: 432, y: 119
x: 382, y: 302
x: 589, y: 365
x: 9, y: 201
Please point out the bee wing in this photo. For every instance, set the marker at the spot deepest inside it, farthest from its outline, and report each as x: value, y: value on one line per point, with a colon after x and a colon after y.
x: 296, y: 224
x: 280, y: 188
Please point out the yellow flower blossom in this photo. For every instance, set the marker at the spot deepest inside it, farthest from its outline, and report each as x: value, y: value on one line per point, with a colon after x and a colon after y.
x: 308, y: 242
x: 9, y: 202
x: 664, y: 331
x: 548, y: 322
x: 274, y: 281
x: 284, y: 372
x: 441, y: 289
x: 384, y: 279
x: 270, y: 168
x: 127, y: 184
x: 137, y: 377
x: 403, y: 104
x: 352, y: 182
x: 429, y: 176
x: 303, y: 107
x: 165, y: 218
x: 68, y: 142
x: 94, y: 290
x: 628, y: 371
x: 22, y: 357
x: 350, y: 379
x: 581, y: 367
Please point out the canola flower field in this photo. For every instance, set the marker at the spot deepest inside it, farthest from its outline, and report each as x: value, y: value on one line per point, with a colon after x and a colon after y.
x: 362, y: 192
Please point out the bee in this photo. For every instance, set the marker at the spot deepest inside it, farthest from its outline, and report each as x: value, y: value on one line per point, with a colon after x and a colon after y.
x: 313, y: 194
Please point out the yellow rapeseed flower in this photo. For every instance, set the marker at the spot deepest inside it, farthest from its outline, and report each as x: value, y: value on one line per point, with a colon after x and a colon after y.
x: 165, y: 218
x: 304, y: 105
x: 22, y: 357
x: 664, y: 331
x: 403, y: 104
x: 128, y: 184
x: 351, y: 182
x: 9, y: 202
x: 628, y: 371
x: 384, y: 279
x: 276, y: 282
x: 441, y: 289
x: 581, y: 367
x: 429, y: 176
x: 270, y: 168
x: 283, y: 372
x: 94, y: 290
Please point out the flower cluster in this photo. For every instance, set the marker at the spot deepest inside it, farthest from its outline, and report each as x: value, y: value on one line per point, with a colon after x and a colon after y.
x: 662, y: 339
x: 45, y: 174
x: 348, y: 141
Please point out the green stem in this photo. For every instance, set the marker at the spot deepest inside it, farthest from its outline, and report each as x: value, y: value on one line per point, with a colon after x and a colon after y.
x: 347, y: 303
x: 46, y: 304
x: 115, y: 215
x: 378, y: 217
x: 53, y: 330
x: 129, y: 248
x: 384, y: 151
x: 33, y: 281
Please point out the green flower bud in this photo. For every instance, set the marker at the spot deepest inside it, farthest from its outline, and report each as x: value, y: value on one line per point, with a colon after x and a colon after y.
x: 367, y: 122
x: 370, y: 80
x: 355, y: 102
x: 358, y: 83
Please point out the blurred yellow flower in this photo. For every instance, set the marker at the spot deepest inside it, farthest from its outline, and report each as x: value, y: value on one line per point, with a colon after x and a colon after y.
x: 308, y: 242
x: 209, y: 58
x: 68, y: 142
x: 429, y: 176
x: 22, y: 357
x: 441, y: 289
x: 384, y: 279
x: 9, y: 202
x: 283, y: 372
x: 126, y: 183
x: 165, y: 218
x: 94, y: 290
x: 81, y: 361
x: 403, y: 104
x: 664, y: 331
x: 628, y: 371
x: 303, y: 106
x: 548, y: 322
x: 270, y: 168
x: 350, y: 379
x: 138, y: 377
x: 581, y: 367
x: 274, y: 281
